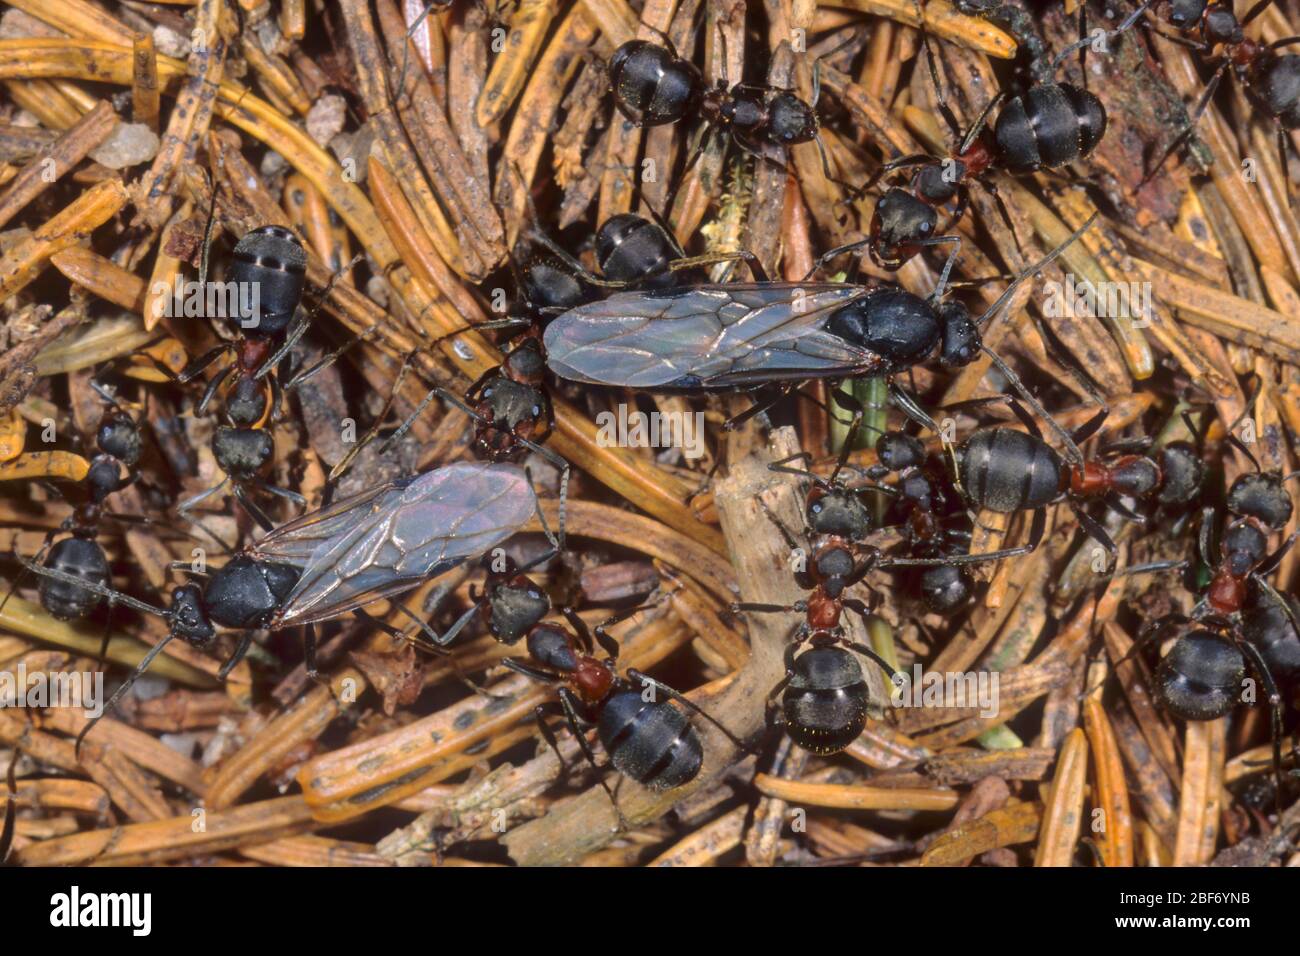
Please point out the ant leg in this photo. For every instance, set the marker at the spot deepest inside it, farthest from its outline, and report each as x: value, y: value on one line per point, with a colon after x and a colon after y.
x: 1135, y: 445
x: 309, y: 652
x: 540, y: 713
x: 122, y: 690
x: 461, y: 622
x: 1092, y: 529
x: 787, y: 535
x: 751, y: 607
x: 829, y: 256
x: 254, y: 511
x: 1187, y: 131
x: 871, y: 655
x: 1205, y: 538
x: 608, y: 643
x: 210, y: 392
x: 913, y: 159
x: 279, y: 492
x: 1036, y: 530
x: 1071, y: 449
x: 1258, y: 664
x: 647, y: 681
x: 245, y: 641
x: 345, y: 463
x: 781, y: 466
x: 940, y: 98
x: 756, y: 270
x: 571, y: 706
x: 1149, y: 568
x: 1283, y: 157
x: 731, y: 424
x: 1116, y: 505
x: 327, y: 360
x: 197, y: 366
x: 1269, y: 564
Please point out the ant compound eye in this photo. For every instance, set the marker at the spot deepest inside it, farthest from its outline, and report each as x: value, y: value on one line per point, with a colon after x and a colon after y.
x: 927, y: 228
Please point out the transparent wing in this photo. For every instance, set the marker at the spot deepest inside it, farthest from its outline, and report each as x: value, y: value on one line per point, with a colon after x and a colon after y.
x: 390, y: 540
x: 709, y: 336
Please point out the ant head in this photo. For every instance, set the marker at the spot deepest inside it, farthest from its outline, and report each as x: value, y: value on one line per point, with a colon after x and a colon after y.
x: 837, y: 511
x: 1183, y: 472
x: 791, y: 120
x: 552, y: 646
x: 549, y: 283
x: 119, y: 436
x: 897, y: 451
x: 1262, y: 496
x: 1244, y: 546
x: 946, y: 587
x: 189, y: 618
x: 241, y: 452
x: 961, y: 336
x: 937, y: 183
x: 899, y: 221
x: 1220, y: 25
x: 515, y: 607
x: 1184, y: 14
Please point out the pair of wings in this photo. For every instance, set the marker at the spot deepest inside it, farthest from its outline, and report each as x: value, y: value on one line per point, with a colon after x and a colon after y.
x: 391, y: 538
x: 708, y: 337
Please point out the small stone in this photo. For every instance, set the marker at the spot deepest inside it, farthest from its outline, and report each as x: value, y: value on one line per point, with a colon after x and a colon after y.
x: 128, y: 145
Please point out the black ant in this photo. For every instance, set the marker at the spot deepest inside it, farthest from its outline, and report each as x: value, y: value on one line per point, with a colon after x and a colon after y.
x: 654, y: 86
x: 1240, y: 620
x: 647, y: 739
x: 824, y: 694
x: 271, y: 262
x: 1272, y: 81
x: 80, y: 556
x: 1049, y: 126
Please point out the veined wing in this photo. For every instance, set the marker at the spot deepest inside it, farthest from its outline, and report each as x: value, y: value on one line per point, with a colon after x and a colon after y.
x: 298, y: 540
x: 408, y: 533
x: 708, y: 336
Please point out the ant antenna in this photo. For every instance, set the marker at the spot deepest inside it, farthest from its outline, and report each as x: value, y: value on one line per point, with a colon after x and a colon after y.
x: 1030, y: 271
x: 1088, y: 41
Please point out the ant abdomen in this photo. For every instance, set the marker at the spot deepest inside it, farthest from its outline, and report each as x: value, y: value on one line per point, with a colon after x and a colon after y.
x: 1278, y: 89
x: 84, y: 559
x: 628, y: 248
x: 652, y: 86
x: 1268, y: 626
x: 1201, y: 676
x: 825, y: 703
x: 653, y: 743
x: 1005, y: 470
x: 271, y: 261
x: 1052, y: 125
